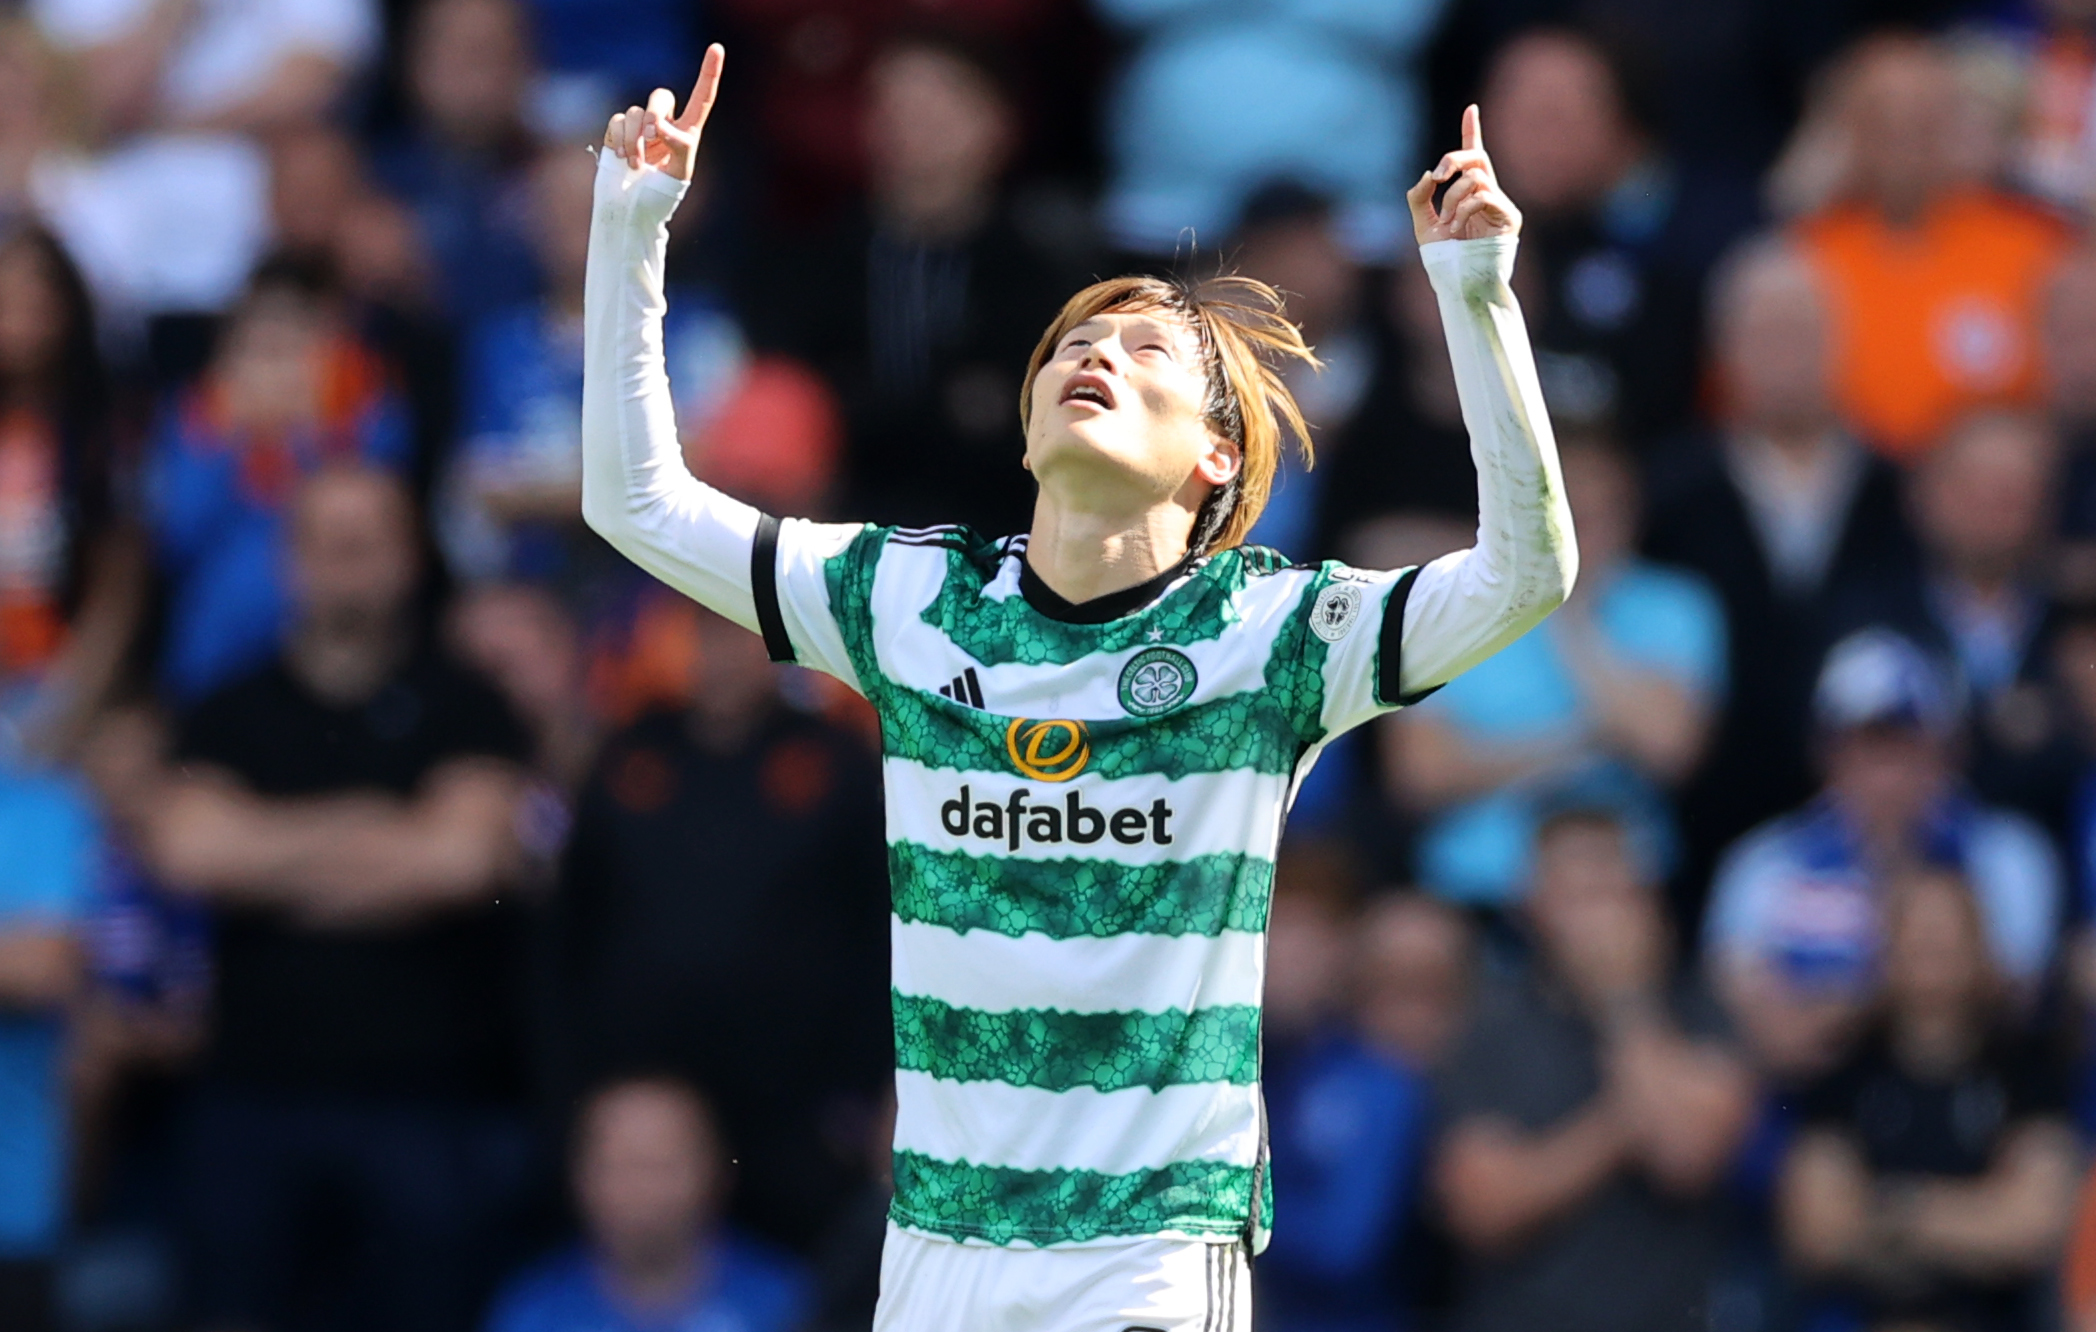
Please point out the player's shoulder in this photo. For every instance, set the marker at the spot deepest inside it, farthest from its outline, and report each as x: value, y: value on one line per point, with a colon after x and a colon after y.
x: 949, y: 556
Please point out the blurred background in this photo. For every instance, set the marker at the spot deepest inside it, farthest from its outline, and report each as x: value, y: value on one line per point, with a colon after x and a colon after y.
x: 413, y: 919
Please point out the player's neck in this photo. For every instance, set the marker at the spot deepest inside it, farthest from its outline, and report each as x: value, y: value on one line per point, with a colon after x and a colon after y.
x: 1082, y: 554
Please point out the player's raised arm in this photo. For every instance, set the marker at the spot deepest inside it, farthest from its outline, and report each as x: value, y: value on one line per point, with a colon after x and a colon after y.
x: 636, y: 491
x: 1468, y: 605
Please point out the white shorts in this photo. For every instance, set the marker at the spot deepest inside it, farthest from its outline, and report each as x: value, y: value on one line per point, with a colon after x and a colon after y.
x: 935, y: 1285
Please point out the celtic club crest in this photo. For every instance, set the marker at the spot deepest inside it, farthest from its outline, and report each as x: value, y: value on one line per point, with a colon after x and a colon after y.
x: 1155, y: 681
x: 1335, y: 610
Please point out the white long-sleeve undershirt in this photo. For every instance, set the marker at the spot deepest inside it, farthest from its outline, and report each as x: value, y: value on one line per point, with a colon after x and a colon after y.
x: 638, y: 494
x: 1467, y: 605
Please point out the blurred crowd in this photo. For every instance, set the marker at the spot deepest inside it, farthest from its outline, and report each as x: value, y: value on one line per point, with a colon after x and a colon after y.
x: 412, y: 918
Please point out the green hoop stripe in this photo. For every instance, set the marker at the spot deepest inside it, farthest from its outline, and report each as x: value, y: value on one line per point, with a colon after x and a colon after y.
x: 963, y: 1201
x: 1079, y: 899
x: 1251, y: 731
x: 1057, y: 1051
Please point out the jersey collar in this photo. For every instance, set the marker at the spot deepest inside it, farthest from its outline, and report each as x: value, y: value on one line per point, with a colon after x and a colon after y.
x: 1099, y: 610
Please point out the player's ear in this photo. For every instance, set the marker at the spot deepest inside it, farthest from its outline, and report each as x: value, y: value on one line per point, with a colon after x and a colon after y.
x: 1221, y: 464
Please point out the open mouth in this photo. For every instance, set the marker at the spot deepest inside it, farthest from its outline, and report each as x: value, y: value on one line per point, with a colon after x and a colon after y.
x: 1088, y: 388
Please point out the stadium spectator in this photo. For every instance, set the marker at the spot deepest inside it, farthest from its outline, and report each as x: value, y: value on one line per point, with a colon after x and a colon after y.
x: 1407, y: 492
x: 326, y: 211
x: 463, y: 162
x: 1794, y: 935
x: 39, y: 117
x: 2056, y: 149
x: 1984, y: 508
x: 2070, y: 366
x: 349, y: 811
x: 1936, y: 280
x: 1781, y: 510
x: 1289, y: 237
x: 649, y: 1174
x: 523, y: 641
x: 921, y: 308
x: 2074, y: 676
x: 289, y: 391
x: 591, y: 67
x: 1723, y: 79
x: 171, y: 214
x: 1383, y: 411
x: 72, y: 569
x: 48, y: 841
x: 727, y: 858
x: 147, y: 949
x: 245, y: 68
x: 1590, y: 1111
x: 511, y: 503
x: 1618, y: 236
x: 1934, y: 1179
x: 808, y: 61
x: 61, y: 563
x: 136, y: 1030
x: 2070, y: 345
x: 1350, y: 1107
x: 1337, y: 109
x: 1413, y: 977
x: 1614, y: 695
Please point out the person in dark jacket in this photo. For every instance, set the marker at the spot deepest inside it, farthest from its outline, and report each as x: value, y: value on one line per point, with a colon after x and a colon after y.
x: 723, y: 914
x: 1780, y: 510
x: 918, y: 305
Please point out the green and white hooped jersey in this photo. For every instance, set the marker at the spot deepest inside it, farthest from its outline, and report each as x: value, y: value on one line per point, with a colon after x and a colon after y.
x: 1082, y: 816
x: 1082, y: 822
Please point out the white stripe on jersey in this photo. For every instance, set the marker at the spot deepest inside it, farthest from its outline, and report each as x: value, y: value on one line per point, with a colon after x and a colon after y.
x: 1117, y: 1132
x: 1144, y: 973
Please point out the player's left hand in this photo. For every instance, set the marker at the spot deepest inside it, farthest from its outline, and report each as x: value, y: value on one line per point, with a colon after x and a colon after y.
x: 1474, y: 205
x: 655, y: 136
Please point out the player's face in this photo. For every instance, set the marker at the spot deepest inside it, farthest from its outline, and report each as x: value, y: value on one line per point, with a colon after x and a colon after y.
x: 1119, y: 405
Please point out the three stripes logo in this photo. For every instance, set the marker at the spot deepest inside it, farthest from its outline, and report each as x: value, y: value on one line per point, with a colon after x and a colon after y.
x: 1047, y: 751
x: 964, y: 689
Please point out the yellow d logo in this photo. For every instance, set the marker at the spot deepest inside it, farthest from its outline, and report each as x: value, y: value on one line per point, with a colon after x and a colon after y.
x: 1047, y: 751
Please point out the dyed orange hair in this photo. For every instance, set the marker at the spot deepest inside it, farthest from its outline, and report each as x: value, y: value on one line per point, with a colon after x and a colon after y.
x: 1244, y: 334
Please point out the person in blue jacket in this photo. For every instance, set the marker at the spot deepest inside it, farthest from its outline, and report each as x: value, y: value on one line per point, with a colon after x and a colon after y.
x: 649, y: 1174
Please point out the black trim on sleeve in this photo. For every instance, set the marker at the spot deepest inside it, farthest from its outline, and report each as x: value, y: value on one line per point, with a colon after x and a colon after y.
x: 1390, y: 658
x: 764, y: 589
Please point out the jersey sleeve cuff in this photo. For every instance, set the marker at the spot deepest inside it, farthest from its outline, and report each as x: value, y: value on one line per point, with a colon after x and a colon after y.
x: 1460, y: 260
x: 641, y: 195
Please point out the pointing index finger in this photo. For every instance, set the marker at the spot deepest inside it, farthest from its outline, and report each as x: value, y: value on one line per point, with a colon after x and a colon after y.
x: 1473, y: 128
x: 705, y: 90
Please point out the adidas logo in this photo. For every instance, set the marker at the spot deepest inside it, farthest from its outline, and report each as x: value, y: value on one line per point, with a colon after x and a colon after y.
x: 964, y: 689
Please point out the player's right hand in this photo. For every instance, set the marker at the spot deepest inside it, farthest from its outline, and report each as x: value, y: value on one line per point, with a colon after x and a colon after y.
x: 1474, y: 206
x: 655, y: 136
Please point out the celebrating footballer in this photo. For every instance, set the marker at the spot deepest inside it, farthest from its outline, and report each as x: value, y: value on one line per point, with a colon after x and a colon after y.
x: 1091, y: 733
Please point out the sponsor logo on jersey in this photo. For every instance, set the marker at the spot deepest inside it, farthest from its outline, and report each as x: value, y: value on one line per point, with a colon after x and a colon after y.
x: 1335, y: 610
x: 1156, y: 680
x: 1016, y: 822
x: 1047, y: 751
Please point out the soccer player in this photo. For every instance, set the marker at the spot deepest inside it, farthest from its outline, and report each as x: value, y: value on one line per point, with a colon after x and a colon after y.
x: 1091, y: 733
